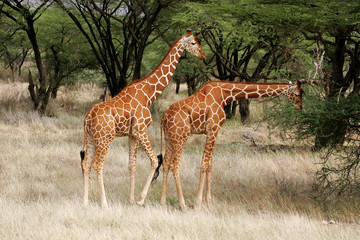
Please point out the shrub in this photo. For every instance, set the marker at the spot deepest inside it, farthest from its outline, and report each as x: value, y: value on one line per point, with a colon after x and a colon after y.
x: 332, y: 124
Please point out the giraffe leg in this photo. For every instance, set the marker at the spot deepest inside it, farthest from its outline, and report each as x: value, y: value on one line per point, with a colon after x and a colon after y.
x: 133, y: 147
x: 166, y: 167
x: 145, y: 144
x: 86, y: 187
x: 86, y: 176
x: 208, y: 184
x: 175, y: 165
x: 86, y: 167
x: 205, y: 163
x: 101, y: 150
x: 201, y: 186
x: 99, y: 173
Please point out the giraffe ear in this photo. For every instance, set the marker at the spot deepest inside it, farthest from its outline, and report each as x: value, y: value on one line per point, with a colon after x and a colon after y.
x: 298, y: 83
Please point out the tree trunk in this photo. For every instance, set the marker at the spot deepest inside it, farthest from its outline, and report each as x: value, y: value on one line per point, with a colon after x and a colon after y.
x: 333, y: 131
x: 191, y: 85
x: 177, y: 81
x: 138, y: 61
x: 228, y: 111
x: 244, y: 110
x: 337, y: 59
x: 40, y: 97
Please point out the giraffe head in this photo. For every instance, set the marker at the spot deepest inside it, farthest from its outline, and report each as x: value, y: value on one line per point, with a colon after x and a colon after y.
x: 192, y: 45
x: 294, y: 94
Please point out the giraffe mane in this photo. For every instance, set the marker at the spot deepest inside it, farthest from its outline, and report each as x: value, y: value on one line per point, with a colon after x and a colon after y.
x: 251, y: 83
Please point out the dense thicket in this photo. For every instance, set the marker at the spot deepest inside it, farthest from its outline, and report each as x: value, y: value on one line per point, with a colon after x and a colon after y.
x: 331, y: 116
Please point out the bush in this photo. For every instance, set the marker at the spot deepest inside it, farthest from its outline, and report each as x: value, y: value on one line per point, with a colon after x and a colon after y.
x: 330, y: 124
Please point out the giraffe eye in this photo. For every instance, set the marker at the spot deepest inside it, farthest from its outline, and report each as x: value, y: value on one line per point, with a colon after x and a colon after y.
x: 193, y: 43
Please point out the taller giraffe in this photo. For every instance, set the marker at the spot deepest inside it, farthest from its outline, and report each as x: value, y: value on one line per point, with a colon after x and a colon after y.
x: 203, y: 113
x: 128, y: 114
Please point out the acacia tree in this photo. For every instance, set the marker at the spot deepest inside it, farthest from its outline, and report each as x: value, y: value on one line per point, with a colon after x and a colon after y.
x: 247, y: 60
x: 191, y: 71
x: 331, y: 115
x: 65, y: 51
x: 244, y: 49
x: 14, y: 48
x: 335, y: 26
x: 118, y: 33
x: 24, y: 14
x: 339, y: 34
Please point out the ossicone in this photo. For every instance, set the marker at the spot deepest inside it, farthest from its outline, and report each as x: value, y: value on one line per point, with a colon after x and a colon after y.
x: 189, y: 32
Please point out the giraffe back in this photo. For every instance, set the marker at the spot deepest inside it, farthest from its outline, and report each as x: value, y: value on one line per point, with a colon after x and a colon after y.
x: 198, y: 112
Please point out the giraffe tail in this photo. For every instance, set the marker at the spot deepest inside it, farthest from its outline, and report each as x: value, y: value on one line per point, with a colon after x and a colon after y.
x: 157, y: 171
x: 82, y: 152
x: 82, y: 155
x: 160, y: 156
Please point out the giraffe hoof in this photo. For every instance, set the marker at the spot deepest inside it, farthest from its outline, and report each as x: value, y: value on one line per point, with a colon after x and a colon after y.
x: 183, y: 208
x: 140, y: 203
x: 105, y: 206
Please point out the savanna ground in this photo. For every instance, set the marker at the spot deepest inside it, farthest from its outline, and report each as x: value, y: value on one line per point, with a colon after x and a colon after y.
x: 265, y: 191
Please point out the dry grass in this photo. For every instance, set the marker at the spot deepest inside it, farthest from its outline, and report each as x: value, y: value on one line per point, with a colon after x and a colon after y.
x: 69, y: 220
x: 260, y: 192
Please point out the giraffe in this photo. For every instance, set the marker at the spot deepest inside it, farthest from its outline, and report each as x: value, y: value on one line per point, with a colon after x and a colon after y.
x: 128, y: 114
x: 203, y: 113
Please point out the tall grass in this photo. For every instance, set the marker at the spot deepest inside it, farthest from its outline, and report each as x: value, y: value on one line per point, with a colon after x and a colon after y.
x: 260, y: 192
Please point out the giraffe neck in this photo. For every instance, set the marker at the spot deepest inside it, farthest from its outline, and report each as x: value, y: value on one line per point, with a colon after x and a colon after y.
x: 239, y: 90
x: 159, y: 78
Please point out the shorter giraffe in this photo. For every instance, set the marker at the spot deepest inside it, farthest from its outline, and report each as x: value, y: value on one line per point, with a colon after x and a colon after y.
x: 203, y: 113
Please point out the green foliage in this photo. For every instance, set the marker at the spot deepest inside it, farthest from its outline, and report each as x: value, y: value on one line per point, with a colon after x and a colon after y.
x: 87, y: 76
x: 64, y: 47
x: 156, y: 51
x: 193, y: 72
x: 282, y: 116
x: 317, y: 113
x: 249, y: 36
x: 337, y: 120
x: 310, y: 15
x: 14, y: 47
